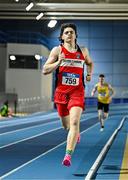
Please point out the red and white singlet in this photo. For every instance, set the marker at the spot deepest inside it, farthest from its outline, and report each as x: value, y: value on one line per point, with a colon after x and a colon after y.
x: 70, y: 75
x: 70, y: 71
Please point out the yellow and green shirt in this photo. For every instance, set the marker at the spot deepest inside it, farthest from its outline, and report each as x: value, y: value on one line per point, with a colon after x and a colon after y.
x: 103, y: 93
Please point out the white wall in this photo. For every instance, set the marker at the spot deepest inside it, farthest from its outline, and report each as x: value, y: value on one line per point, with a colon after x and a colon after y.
x: 28, y: 83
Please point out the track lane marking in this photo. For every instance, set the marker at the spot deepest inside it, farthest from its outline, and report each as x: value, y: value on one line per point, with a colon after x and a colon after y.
x: 124, y: 168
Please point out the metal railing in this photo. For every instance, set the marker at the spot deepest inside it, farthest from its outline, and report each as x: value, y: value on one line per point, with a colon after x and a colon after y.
x: 34, y: 104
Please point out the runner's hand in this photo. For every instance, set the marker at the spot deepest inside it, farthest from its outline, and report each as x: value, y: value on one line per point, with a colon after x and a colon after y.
x: 88, y: 77
x: 110, y: 99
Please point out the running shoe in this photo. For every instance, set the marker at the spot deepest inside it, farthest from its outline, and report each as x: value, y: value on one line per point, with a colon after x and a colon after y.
x: 67, y: 160
x: 102, y: 129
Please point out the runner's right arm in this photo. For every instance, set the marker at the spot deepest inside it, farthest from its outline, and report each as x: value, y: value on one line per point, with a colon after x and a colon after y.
x: 53, y: 61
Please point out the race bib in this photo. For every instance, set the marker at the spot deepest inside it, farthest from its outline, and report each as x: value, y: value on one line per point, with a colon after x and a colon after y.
x: 102, y: 94
x: 70, y: 79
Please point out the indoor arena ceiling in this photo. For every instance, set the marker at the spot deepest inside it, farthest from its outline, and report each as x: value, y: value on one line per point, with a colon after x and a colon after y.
x: 65, y: 9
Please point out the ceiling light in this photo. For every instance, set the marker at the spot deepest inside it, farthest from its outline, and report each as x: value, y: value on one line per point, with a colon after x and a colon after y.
x: 37, y: 57
x: 39, y: 16
x: 29, y: 6
x: 17, y: 0
x: 52, y: 23
x: 12, y: 57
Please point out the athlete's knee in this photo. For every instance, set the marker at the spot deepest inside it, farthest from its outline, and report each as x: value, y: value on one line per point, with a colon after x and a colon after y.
x: 74, y: 123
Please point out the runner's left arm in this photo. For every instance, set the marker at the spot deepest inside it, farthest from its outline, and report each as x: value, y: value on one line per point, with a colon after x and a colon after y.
x: 89, y: 64
x: 112, y: 91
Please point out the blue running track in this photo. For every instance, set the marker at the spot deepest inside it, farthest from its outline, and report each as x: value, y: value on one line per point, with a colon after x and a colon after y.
x: 33, y: 147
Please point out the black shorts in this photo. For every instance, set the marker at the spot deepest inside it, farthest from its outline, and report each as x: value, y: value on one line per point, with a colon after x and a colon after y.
x: 102, y: 106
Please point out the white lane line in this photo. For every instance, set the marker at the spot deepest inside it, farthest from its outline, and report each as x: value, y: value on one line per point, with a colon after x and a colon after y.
x: 14, y: 122
x: 41, y: 155
x: 22, y: 129
x: 27, y: 121
x: 9, y: 132
x: 34, y: 135
x: 32, y: 119
x: 29, y: 138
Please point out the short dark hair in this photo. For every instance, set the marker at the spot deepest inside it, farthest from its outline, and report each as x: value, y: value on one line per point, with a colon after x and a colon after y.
x: 102, y: 75
x: 66, y: 25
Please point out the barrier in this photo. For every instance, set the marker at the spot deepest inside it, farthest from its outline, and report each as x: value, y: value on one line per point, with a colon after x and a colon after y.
x: 102, y: 154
